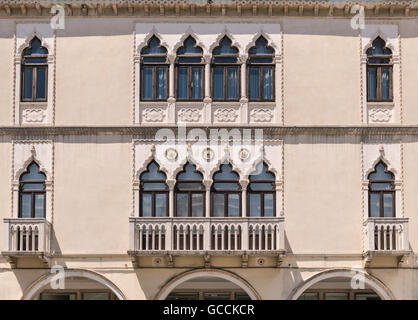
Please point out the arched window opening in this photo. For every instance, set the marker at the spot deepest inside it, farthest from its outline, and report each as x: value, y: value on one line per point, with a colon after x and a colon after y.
x: 190, y: 192
x: 32, y: 197
x: 260, y: 73
x: 379, y: 72
x: 226, y: 193
x: 154, y: 71
x: 190, y: 71
x: 261, y: 193
x: 381, y: 192
x: 225, y: 72
x: 34, y: 72
x: 154, y: 192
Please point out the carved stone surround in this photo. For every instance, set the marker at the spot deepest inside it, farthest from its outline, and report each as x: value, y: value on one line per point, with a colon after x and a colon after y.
x: 24, y: 152
x: 34, y: 113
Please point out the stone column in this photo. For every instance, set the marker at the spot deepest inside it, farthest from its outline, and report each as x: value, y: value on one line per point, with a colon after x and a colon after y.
x: 171, y: 184
x: 244, y: 184
x: 207, y: 183
x: 244, y: 99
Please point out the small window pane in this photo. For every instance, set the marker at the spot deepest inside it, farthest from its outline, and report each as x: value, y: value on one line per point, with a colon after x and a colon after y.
x: 254, y: 83
x: 183, y: 186
x: 95, y: 296
x: 385, y: 83
x: 41, y: 83
x: 33, y: 186
x: 374, y: 204
x: 261, y: 186
x: 58, y: 296
x: 232, y: 83
x: 197, y: 204
x: 233, y: 205
x: 28, y: 81
x: 161, y: 83
x: 182, y: 204
x: 182, y: 83
x: 268, y: 83
x: 196, y: 83
x: 268, y: 205
x: 218, y: 204
x: 217, y: 296
x: 367, y: 296
x: 218, y: 83
x: 160, y: 204
x: 336, y: 296
x: 372, y: 74
x: 388, y: 204
x: 309, y: 296
x: 147, y: 83
x: 26, y: 205
x: 381, y: 186
x: 39, y: 205
x: 146, y: 205
x: 255, y: 205
x: 226, y: 186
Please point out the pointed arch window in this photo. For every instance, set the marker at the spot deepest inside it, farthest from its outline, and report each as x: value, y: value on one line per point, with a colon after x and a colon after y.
x: 226, y: 193
x: 190, y: 71
x: 381, y: 192
x: 32, y: 192
x: 225, y: 72
x: 260, y: 72
x: 34, y: 69
x: 379, y: 72
x: 262, y: 193
x: 189, y: 192
x: 154, y: 71
x: 153, y: 192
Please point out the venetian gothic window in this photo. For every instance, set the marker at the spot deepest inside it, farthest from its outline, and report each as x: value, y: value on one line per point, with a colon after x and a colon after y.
x: 189, y: 192
x: 225, y: 72
x: 260, y: 72
x: 379, y: 72
x: 154, y: 71
x: 190, y: 71
x: 381, y: 192
x: 226, y: 193
x: 32, y: 192
x: 261, y: 193
x: 153, y: 192
x: 34, y: 70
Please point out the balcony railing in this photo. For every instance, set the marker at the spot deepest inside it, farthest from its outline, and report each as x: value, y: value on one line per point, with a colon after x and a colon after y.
x: 26, y: 236
x: 386, y: 235
x: 206, y: 234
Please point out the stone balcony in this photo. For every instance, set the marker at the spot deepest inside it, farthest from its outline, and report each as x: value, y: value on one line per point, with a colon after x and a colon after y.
x: 207, y: 237
x: 26, y: 238
x: 385, y: 238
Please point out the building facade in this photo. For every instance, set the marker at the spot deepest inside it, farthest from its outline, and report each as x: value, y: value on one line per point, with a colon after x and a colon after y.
x: 208, y: 150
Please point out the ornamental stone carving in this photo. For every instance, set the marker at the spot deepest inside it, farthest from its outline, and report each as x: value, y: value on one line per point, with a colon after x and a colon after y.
x: 261, y: 115
x: 225, y: 115
x: 189, y: 115
x: 35, y: 115
x: 153, y: 115
x: 380, y: 115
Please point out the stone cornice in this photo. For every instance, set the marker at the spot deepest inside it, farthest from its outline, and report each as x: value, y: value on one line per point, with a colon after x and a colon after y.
x: 148, y: 133
x: 205, y: 8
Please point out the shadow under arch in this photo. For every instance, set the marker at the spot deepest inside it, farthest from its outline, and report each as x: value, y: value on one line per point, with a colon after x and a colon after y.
x: 378, y: 286
x: 45, y: 279
x: 188, y: 275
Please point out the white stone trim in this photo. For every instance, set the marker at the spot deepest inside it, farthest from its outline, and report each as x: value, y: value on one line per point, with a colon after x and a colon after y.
x: 34, y: 113
x: 179, y: 279
x: 34, y: 289
x: 379, y: 287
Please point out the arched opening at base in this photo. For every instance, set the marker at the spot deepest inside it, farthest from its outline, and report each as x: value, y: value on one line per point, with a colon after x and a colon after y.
x: 341, y: 285
x: 73, y: 285
x: 207, y: 285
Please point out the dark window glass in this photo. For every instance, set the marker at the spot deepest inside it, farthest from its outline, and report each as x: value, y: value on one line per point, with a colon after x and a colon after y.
x: 261, y: 71
x: 32, y: 193
x: 261, y: 192
x: 154, y: 66
x: 381, y: 192
x: 34, y: 72
x: 218, y: 83
x: 153, y: 192
x: 379, y: 71
x: 190, y: 192
x: 189, y: 66
x: 226, y: 193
